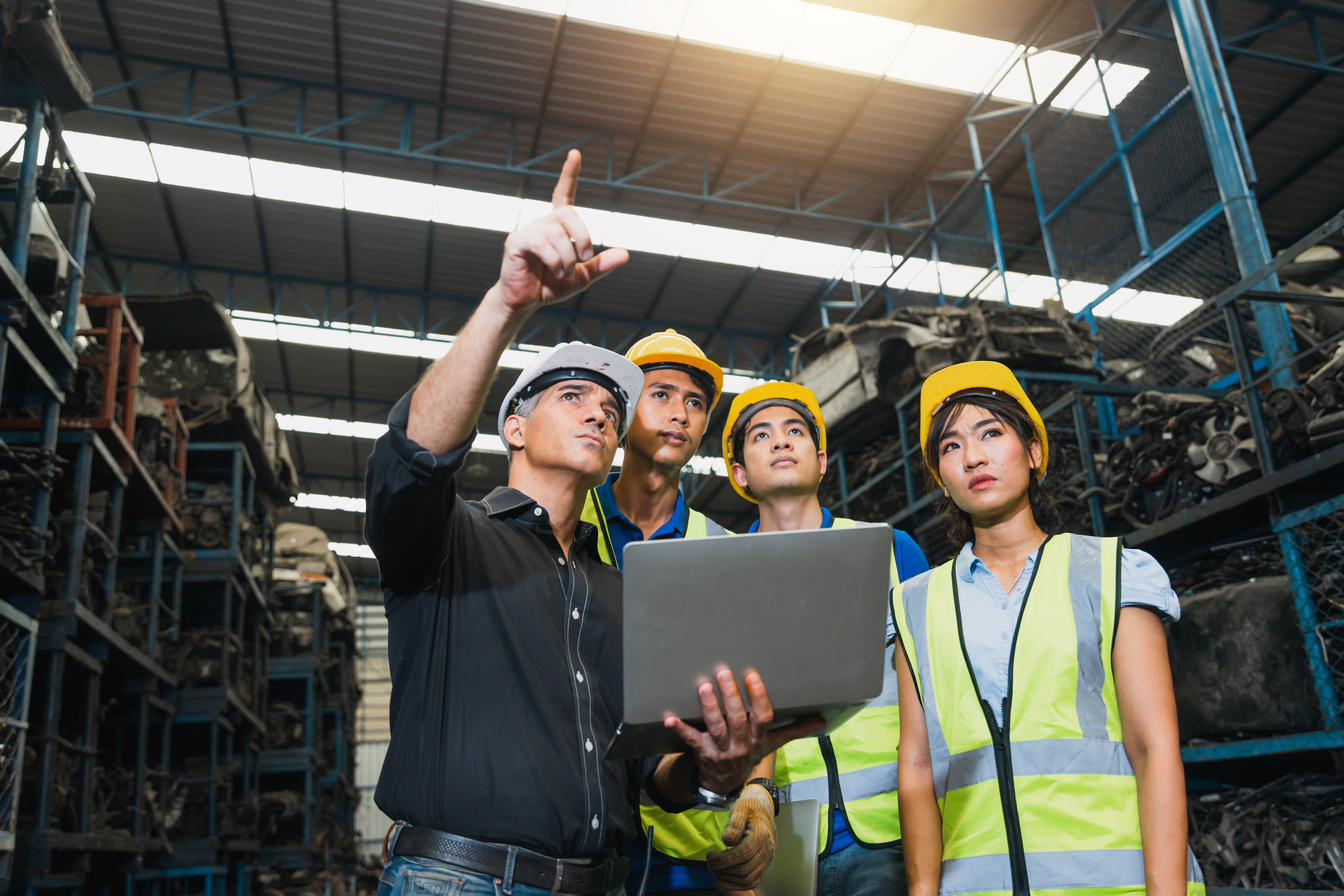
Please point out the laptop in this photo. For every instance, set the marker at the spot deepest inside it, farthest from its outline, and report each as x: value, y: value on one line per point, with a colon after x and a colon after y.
x: 807, y: 610
x: 793, y: 871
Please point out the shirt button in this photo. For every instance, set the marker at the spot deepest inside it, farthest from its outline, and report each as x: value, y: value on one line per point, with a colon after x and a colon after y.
x: 579, y: 676
x: 588, y: 745
x: 596, y: 824
x: 1003, y: 636
x: 1003, y: 606
x: 562, y: 560
x: 536, y: 511
x: 575, y: 613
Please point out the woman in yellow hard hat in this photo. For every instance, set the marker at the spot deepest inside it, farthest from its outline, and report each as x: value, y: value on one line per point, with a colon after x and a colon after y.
x: 1046, y: 756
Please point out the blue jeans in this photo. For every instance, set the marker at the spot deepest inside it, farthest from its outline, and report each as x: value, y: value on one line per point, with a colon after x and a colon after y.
x: 855, y: 871
x: 411, y: 876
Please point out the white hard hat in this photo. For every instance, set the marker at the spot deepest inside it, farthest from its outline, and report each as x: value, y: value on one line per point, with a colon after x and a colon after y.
x: 578, y: 361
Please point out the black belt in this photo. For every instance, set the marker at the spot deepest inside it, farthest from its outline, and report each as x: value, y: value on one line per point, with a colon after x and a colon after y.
x: 573, y: 877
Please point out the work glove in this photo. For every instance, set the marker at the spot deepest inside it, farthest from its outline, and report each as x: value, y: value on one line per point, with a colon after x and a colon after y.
x: 751, y: 836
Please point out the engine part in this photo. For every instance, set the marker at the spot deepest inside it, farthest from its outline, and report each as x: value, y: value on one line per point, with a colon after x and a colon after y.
x: 1238, y: 663
x: 1224, y: 454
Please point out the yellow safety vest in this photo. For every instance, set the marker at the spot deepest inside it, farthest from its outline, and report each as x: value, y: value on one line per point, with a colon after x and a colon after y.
x: 691, y: 833
x: 858, y: 760
x: 697, y: 526
x: 1049, y: 801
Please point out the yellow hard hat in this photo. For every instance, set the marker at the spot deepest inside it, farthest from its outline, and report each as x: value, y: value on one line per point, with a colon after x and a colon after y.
x: 766, y: 395
x: 671, y: 349
x: 984, y: 378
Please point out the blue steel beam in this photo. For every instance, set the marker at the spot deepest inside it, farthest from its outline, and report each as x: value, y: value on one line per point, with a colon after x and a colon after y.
x: 1202, y: 66
x: 244, y: 290
x: 378, y: 106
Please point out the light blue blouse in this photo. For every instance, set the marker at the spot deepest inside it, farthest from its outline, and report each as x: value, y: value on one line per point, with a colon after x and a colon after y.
x: 989, y: 615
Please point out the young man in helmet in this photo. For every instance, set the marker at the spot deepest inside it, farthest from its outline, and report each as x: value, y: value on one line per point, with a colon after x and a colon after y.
x: 643, y: 501
x: 503, y: 623
x: 774, y: 441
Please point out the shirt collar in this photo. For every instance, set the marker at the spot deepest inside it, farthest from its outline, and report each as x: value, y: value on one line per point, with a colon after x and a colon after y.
x: 968, y: 564
x: 606, y: 498
x: 826, y: 520
x: 509, y: 503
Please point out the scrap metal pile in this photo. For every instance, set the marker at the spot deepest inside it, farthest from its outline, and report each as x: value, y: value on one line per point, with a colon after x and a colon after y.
x: 856, y: 369
x: 1288, y: 834
x: 193, y: 353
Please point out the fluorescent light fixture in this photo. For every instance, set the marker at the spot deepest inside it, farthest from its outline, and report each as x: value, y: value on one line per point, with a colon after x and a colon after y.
x: 329, y: 502
x: 350, y: 549
x: 756, y: 26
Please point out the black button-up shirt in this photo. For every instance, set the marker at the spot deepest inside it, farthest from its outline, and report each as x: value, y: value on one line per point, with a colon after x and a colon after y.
x: 505, y: 658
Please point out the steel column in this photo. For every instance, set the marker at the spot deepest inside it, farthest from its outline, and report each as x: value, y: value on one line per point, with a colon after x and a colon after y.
x: 1202, y: 66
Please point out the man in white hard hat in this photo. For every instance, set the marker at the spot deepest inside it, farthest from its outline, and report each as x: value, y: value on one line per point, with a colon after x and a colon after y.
x: 503, y: 623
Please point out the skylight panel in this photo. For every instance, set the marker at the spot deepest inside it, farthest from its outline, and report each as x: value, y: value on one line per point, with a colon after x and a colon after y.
x: 306, y: 184
x: 805, y: 257
x: 950, y: 60
x: 839, y: 38
x: 204, y: 170
x: 726, y: 246
x: 472, y: 208
x: 639, y: 233
x: 1155, y: 308
x: 329, y: 502
x: 650, y: 16
x: 115, y: 156
x: 388, y: 196
x: 350, y: 549
x: 755, y: 26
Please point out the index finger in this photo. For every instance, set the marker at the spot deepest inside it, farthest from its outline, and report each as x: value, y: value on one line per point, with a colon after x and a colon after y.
x: 567, y: 187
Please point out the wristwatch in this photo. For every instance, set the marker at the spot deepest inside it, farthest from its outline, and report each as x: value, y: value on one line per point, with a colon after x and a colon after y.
x: 710, y: 798
x: 770, y: 788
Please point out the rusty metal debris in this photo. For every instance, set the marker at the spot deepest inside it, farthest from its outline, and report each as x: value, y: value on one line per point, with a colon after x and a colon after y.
x: 1288, y: 834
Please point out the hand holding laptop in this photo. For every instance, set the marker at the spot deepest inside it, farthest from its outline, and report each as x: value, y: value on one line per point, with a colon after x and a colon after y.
x: 736, y: 736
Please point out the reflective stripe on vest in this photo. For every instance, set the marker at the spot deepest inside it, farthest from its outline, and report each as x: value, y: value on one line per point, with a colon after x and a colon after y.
x: 1067, y: 815
x: 863, y: 751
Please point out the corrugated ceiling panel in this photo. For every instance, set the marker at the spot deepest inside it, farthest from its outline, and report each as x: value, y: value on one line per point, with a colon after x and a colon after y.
x: 304, y: 240
x: 291, y: 39
x: 498, y: 58
x: 217, y: 228
x: 394, y: 46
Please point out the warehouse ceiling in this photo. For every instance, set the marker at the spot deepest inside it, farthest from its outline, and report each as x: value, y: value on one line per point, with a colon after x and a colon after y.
x: 684, y: 127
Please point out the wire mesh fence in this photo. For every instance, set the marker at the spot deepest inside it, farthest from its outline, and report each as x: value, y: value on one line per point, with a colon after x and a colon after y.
x: 17, y: 643
x: 1312, y: 541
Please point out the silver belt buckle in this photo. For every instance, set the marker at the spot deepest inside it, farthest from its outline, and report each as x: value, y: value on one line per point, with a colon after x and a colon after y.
x: 560, y: 866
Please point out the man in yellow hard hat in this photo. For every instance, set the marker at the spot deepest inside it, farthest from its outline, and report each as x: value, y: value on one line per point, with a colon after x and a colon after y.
x: 643, y: 501
x: 774, y: 442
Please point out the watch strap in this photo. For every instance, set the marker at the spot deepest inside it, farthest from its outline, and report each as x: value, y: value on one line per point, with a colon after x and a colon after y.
x: 769, y: 787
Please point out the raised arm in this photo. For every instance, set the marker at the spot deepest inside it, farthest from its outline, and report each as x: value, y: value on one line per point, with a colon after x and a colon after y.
x: 409, y: 485
x: 546, y: 261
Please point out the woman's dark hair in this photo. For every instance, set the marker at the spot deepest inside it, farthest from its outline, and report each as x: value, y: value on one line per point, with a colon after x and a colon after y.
x: 957, y: 522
